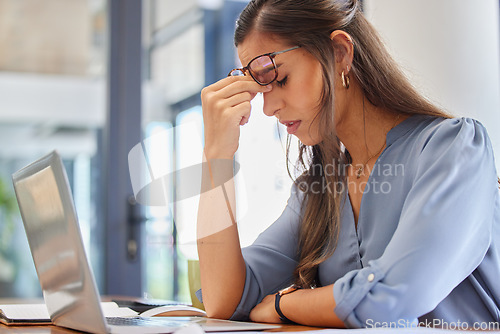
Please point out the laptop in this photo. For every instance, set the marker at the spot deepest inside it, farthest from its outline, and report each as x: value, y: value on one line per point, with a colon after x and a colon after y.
x: 67, y: 282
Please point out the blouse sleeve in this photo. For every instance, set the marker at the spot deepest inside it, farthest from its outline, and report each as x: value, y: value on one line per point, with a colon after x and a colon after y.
x: 443, y: 233
x: 271, y: 260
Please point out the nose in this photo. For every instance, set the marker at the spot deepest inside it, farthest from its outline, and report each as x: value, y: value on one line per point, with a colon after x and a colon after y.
x: 271, y: 104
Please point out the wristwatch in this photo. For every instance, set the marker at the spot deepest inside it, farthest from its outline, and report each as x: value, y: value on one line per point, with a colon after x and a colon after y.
x: 277, y: 299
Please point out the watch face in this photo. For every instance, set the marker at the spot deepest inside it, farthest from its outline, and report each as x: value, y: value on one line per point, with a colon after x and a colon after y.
x: 291, y: 288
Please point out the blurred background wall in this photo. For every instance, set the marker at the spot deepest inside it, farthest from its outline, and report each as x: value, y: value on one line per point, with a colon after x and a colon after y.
x: 450, y: 50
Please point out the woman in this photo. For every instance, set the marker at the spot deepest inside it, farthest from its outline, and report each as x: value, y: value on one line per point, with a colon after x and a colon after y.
x: 395, y: 220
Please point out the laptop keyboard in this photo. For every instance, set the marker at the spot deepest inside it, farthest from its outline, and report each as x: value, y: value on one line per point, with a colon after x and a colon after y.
x: 138, y: 321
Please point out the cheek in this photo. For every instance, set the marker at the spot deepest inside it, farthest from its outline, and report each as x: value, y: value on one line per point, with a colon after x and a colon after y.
x: 314, y: 89
x: 315, y: 82
x: 309, y: 93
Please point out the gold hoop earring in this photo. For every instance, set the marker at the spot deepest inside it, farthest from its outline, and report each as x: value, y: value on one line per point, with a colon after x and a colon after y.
x: 345, y: 80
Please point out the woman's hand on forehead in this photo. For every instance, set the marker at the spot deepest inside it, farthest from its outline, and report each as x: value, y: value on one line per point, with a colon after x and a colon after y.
x: 226, y: 106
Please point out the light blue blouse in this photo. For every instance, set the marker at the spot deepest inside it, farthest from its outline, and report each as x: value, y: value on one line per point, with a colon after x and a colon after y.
x: 427, y: 244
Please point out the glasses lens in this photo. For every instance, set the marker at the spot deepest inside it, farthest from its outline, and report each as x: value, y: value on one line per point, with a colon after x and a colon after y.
x: 237, y: 72
x: 263, y: 70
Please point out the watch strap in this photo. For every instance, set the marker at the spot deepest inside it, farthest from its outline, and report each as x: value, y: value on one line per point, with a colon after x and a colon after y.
x: 278, y: 309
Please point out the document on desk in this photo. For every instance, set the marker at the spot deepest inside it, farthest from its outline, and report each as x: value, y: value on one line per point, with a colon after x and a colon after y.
x: 37, y: 314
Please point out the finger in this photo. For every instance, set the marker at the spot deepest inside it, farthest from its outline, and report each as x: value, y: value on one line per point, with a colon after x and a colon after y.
x: 235, y: 100
x: 243, y: 86
x: 233, y: 85
x: 241, y: 112
x: 228, y: 80
x: 234, y: 107
x: 244, y: 120
x: 215, y: 98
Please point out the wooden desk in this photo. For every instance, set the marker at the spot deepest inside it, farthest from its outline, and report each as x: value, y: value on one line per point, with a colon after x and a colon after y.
x: 35, y: 329
x: 49, y: 329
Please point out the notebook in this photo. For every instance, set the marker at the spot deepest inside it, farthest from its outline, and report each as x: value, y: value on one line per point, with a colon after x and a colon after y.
x: 68, y: 285
x: 37, y: 314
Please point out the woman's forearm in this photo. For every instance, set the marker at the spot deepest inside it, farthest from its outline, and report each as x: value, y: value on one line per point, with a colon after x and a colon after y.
x: 312, y: 307
x: 222, y: 267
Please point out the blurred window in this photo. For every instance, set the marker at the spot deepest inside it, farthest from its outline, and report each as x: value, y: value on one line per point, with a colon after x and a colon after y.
x: 51, y: 97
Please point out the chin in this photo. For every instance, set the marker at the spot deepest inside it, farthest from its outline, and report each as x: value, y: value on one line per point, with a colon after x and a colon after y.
x: 308, y: 141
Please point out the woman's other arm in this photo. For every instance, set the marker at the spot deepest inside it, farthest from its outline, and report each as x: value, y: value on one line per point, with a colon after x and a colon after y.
x: 310, y: 307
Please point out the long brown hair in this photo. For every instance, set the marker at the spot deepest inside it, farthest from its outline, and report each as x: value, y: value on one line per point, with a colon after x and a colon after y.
x: 309, y: 23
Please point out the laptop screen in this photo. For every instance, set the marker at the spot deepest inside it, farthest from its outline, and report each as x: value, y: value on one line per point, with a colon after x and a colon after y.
x: 51, y: 225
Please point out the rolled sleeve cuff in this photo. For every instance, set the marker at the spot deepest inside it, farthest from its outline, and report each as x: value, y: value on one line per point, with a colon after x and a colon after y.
x: 242, y: 312
x: 350, y: 290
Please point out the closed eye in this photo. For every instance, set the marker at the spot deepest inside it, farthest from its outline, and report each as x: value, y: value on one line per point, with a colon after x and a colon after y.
x: 282, y: 82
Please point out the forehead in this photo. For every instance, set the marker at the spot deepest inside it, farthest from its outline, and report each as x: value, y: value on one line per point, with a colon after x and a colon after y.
x: 257, y: 43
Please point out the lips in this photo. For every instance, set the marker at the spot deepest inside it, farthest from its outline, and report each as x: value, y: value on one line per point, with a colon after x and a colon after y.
x: 291, y: 126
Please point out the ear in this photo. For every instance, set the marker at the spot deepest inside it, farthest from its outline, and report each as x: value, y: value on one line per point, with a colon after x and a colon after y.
x: 344, y: 48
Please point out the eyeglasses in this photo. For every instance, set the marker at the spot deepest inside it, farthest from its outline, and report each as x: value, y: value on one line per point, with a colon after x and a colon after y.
x: 262, y: 68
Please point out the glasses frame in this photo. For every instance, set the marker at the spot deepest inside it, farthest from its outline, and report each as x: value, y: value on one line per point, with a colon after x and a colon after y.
x: 271, y: 55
